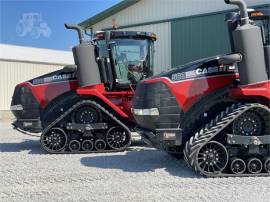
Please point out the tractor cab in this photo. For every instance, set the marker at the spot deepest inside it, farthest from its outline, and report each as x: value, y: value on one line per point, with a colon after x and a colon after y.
x: 116, y: 59
x: 261, y: 18
x: 258, y: 17
x: 127, y: 57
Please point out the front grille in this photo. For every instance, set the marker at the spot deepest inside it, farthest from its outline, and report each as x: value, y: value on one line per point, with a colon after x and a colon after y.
x: 23, y: 96
x: 157, y: 95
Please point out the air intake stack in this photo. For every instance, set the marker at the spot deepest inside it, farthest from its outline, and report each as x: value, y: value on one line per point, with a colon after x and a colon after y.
x: 248, y: 41
x: 84, y: 57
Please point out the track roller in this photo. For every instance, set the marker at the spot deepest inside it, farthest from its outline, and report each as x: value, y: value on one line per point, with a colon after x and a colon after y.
x: 100, y: 145
x: 254, y: 165
x: 238, y: 166
x: 87, y: 145
x: 74, y: 145
x: 54, y: 140
x: 267, y: 164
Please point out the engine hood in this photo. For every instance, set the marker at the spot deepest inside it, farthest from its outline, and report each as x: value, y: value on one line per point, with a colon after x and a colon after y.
x: 68, y: 73
x: 200, y: 68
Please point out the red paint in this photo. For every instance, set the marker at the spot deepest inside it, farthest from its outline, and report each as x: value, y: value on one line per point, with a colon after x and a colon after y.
x: 258, y: 90
x: 119, y: 101
x: 188, y: 92
x: 44, y: 93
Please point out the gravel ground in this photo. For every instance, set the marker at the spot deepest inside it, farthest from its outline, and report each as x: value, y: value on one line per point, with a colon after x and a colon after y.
x: 139, y: 174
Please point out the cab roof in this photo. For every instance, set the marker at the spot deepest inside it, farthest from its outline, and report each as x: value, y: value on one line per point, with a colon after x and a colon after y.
x: 125, y: 34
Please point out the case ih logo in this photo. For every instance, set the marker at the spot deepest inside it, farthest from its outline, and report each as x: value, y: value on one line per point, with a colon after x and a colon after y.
x: 32, y: 24
x: 54, y: 78
x: 207, y: 71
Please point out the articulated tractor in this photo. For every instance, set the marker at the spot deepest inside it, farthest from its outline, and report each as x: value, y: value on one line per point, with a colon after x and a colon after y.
x: 215, y: 110
x: 86, y: 107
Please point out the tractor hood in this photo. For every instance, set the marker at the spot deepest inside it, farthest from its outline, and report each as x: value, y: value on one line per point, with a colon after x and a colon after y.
x: 212, y: 66
x: 68, y: 73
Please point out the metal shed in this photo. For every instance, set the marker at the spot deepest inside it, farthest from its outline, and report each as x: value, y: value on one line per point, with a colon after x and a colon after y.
x: 186, y: 29
x: 18, y: 64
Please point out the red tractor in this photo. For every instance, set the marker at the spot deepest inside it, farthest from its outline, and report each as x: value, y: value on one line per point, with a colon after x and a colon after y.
x: 86, y: 107
x: 215, y: 110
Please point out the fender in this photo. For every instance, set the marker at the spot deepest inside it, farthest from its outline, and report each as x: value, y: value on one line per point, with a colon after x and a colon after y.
x: 44, y: 93
x: 99, y: 91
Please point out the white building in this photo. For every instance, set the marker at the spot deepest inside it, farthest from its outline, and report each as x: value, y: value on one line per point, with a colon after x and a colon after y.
x: 186, y: 29
x: 18, y: 64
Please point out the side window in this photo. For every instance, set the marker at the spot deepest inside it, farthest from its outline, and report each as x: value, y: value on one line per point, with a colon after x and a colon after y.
x: 264, y: 26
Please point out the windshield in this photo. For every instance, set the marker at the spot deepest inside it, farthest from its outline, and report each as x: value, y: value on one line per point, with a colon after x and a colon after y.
x: 133, y: 60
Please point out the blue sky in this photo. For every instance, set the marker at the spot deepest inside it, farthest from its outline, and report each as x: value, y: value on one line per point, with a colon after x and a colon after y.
x: 43, y: 23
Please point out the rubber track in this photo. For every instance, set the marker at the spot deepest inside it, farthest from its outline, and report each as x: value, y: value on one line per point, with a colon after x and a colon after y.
x: 211, y: 130
x: 85, y: 102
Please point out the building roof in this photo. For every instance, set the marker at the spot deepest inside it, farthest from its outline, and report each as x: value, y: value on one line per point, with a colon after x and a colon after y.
x: 107, y: 13
x: 35, y: 55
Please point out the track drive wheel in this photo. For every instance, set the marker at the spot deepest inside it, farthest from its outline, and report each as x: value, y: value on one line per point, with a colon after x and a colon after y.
x: 212, y: 158
x: 117, y: 138
x: 87, y: 115
x: 249, y: 123
x: 54, y: 140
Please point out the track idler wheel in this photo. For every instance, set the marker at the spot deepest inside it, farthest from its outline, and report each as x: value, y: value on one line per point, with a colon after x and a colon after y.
x: 117, y: 138
x: 254, y: 165
x: 267, y: 164
x: 54, y: 140
x: 100, y: 145
x: 74, y: 145
x: 238, y: 166
x: 212, y: 158
x: 87, y: 145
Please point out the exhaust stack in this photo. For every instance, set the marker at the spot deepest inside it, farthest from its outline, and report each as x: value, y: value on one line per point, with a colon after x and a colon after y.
x: 248, y: 41
x: 84, y: 57
x: 243, y: 10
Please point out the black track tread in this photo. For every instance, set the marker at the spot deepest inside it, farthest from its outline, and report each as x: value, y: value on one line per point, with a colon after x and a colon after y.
x: 78, y: 104
x: 206, y: 134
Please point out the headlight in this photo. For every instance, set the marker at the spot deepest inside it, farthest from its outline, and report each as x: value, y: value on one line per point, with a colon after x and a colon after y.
x: 145, y: 112
x: 16, y: 107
